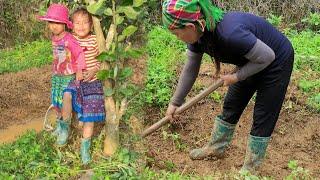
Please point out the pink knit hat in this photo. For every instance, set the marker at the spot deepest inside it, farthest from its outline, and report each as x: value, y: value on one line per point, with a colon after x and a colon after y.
x: 57, y: 13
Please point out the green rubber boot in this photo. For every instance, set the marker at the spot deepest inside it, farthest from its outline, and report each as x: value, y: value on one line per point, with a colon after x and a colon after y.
x: 221, y: 137
x: 63, y: 134
x: 58, y: 128
x: 256, y: 150
x: 85, y: 150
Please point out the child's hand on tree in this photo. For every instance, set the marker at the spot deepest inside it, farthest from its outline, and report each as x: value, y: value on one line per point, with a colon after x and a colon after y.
x: 79, y: 75
x: 90, y: 74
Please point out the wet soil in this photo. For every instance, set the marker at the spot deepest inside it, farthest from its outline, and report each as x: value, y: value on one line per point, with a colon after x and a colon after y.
x: 24, y: 96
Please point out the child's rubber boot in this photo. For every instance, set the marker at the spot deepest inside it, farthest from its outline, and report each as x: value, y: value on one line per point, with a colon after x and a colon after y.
x: 63, y: 134
x: 256, y: 150
x: 85, y: 150
x: 221, y: 137
x: 58, y: 128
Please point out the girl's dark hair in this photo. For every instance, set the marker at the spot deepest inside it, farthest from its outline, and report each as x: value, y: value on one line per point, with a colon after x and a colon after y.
x: 83, y: 11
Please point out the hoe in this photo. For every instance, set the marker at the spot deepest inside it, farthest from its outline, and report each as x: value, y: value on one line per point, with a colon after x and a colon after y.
x: 184, y: 107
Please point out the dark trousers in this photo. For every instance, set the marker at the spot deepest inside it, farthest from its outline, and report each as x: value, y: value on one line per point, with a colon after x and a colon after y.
x: 271, y: 86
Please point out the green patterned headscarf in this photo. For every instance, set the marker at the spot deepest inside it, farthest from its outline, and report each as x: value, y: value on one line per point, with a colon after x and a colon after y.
x: 177, y: 13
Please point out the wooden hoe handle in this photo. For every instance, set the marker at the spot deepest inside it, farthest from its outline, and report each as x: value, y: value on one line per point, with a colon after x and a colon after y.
x: 184, y: 107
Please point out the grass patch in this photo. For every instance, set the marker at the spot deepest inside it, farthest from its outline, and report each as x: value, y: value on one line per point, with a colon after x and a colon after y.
x: 307, y: 50
x: 22, y: 57
x: 307, y: 62
x: 165, y: 52
x: 34, y: 156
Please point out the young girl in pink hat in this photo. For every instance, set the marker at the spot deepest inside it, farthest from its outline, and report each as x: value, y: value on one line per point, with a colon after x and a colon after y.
x: 68, y: 62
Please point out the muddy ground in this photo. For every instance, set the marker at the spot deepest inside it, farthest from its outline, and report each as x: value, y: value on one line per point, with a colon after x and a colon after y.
x: 26, y: 95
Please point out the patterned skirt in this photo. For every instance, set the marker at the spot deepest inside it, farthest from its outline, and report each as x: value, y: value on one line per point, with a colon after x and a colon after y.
x: 58, y: 84
x: 87, y: 100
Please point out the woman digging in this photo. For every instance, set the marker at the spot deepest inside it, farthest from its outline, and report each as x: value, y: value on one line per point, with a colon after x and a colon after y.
x: 263, y: 55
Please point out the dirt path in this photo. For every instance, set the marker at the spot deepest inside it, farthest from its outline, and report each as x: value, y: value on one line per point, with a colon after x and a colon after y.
x: 25, y: 95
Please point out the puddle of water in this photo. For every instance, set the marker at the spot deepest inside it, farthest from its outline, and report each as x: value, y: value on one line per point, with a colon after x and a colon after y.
x: 11, y: 133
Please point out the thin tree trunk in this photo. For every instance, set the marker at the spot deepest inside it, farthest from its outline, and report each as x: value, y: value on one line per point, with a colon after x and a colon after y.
x: 114, y: 111
x: 111, y: 142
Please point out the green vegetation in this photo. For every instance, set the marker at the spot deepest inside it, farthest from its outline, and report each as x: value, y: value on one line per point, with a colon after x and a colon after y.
x: 18, y: 22
x: 312, y: 21
x: 28, y: 55
x: 164, y: 53
x: 275, y: 20
x: 307, y: 53
x: 34, y: 156
x: 176, y: 139
x: 216, y: 96
x: 307, y: 63
x: 297, y: 172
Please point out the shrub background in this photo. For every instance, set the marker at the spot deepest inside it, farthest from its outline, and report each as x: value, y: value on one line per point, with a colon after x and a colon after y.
x: 18, y: 22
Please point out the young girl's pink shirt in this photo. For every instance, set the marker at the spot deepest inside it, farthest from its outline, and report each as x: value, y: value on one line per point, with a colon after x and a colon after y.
x: 68, y: 57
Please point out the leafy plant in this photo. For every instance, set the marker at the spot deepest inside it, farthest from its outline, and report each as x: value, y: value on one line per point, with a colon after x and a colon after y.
x: 313, y: 21
x: 297, y: 172
x: 120, y: 49
x: 216, y: 96
x: 248, y: 176
x: 275, y: 20
x: 115, y: 50
x: 178, y: 142
x: 175, y: 137
x: 314, y: 101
